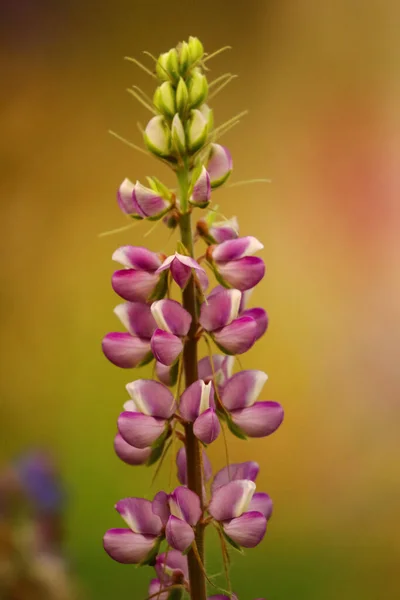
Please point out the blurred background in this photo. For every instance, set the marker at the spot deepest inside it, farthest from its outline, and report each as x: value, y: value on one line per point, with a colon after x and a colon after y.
x: 320, y: 81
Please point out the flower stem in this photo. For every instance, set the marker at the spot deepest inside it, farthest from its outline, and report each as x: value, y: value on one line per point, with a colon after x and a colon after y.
x: 193, y: 450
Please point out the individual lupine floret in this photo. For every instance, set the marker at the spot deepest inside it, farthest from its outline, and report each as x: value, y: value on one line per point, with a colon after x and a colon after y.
x: 234, y: 264
x: 147, y: 414
x: 141, y: 540
x: 138, y: 281
x: 133, y: 349
x: 196, y: 130
x: 181, y: 463
x: 200, y: 194
x: 197, y: 406
x: 179, y: 513
x: 141, y: 202
x: 219, y: 165
x: 172, y: 569
x: 219, y: 317
x: 173, y: 324
x: 129, y: 454
x: 255, y: 419
x: 217, y: 368
x: 241, y: 520
x: 157, y: 137
x: 216, y: 232
x: 181, y: 268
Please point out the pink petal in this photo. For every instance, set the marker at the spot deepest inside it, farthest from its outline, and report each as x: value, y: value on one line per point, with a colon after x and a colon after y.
x: 207, y: 426
x: 172, y: 565
x: 243, y: 389
x: 222, y: 231
x: 185, y: 504
x: 135, y: 286
x: 125, y: 197
x: 156, y: 587
x: 242, y: 274
x: 171, y: 316
x: 262, y: 503
x: 129, y: 454
x: 235, y: 249
x: 201, y: 192
x: 247, y: 530
x: 127, y: 547
x: 140, y: 430
x: 245, y: 470
x: 166, y: 347
x: 181, y: 463
x: 149, y: 203
x: 137, y: 257
x: 221, y: 365
x: 260, y: 317
x: 167, y: 375
x: 137, y: 318
x: 179, y: 534
x: 160, y: 506
x: 219, y: 165
x: 197, y: 395
x: 180, y: 273
x: 232, y: 499
x: 220, y: 309
x: 139, y: 516
x: 125, y: 351
x: 238, y: 337
x: 259, y: 420
x: 152, y: 398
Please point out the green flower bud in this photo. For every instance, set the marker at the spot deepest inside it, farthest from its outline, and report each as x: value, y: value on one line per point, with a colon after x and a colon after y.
x: 161, y: 67
x: 157, y: 136
x: 208, y: 114
x: 198, y: 89
x: 196, y: 49
x: 182, y: 97
x: 160, y: 188
x: 197, y: 130
x: 167, y: 67
x: 164, y: 99
x: 178, y: 135
x: 184, y: 58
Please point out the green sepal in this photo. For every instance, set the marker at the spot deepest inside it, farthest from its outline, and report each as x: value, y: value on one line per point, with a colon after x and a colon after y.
x: 157, y: 186
x: 176, y: 594
x: 232, y: 543
x: 150, y: 559
x: 235, y: 429
x: 161, y: 288
x: 157, y: 447
x: 146, y: 360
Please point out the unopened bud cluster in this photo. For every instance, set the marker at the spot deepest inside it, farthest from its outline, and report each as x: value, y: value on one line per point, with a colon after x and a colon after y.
x: 166, y: 332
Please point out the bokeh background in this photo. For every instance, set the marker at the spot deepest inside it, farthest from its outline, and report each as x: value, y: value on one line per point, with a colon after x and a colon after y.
x: 320, y: 80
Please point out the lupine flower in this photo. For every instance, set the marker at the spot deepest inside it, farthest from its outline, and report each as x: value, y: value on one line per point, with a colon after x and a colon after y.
x: 222, y: 231
x: 201, y: 191
x: 242, y: 520
x: 257, y: 313
x: 219, y: 315
x: 181, y: 463
x: 134, y: 545
x: 173, y: 324
x: 40, y: 482
x: 255, y: 419
x: 197, y: 406
x: 147, y: 414
x: 219, y: 365
x: 171, y: 568
x: 131, y: 349
x: 141, y: 202
x: 219, y: 165
x: 157, y: 137
x: 139, y: 279
x: 234, y: 264
x: 181, y: 268
x: 179, y: 513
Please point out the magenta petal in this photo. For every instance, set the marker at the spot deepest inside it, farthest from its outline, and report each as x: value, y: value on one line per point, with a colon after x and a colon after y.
x: 259, y: 420
x: 207, y: 426
x: 172, y: 565
x: 137, y: 257
x: 125, y: 197
x: 222, y: 231
x: 180, y: 273
x: 238, y: 337
x: 171, y: 316
x: 201, y: 192
x: 166, y: 347
x: 185, y: 505
x: 156, y: 587
x: 220, y: 309
x: 219, y: 165
x: 164, y: 373
x: 197, y: 397
x: 127, y: 547
x: 221, y: 365
x: 245, y: 470
x: 137, y: 318
x: 135, y: 286
x: 139, y: 516
x: 243, y: 274
x: 262, y: 503
x: 247, y: 530
x: 260, y: 317
x: 125, y: 351
x: 140, y: 430
x: 179, y: 534
x: 231, y: 500
x: 161, y: 506
x: 236, y: 249
x: 182, y: 466
x: 129, y: 454
x: 152, y: 398
x: 149, y: 203
x: 243, y: 389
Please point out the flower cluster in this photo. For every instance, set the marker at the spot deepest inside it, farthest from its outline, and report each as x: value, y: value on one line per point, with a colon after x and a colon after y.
x: 167, y: 531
